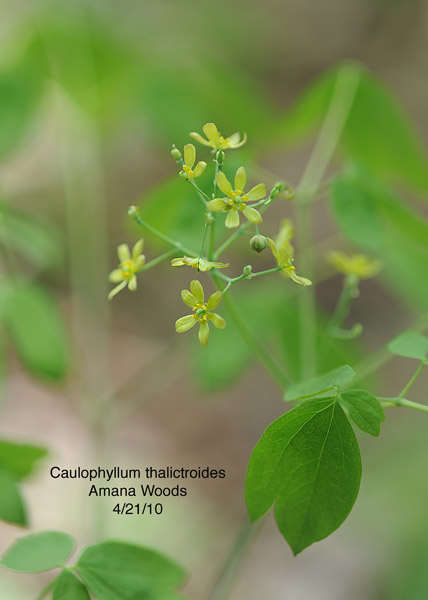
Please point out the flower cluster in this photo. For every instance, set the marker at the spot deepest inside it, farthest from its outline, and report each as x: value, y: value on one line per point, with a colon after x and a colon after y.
x: 230, y: 200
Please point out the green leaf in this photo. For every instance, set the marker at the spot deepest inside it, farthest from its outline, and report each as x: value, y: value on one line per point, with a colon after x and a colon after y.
x: 12, y: 509
x: 20, y: 90
x: 35, y: 325
x: 20, y: 459
x: 308, y: 465
x: 364, y: 409
x: 37, y: 242
x: 323, y: 383
x: 69, y: 587
x: 410, y: 344
x: 118, y: 571
x: 378, y: 133
x: 38, y: 552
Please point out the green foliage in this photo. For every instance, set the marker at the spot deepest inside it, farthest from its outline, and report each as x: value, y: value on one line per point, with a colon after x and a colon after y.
x: 378, y: 133
x: 308, y: 464
x: 36, y: 241
x: 20, y: 459
x: 38, y: 552
x: 110, y: 570
x: 17, y: 461
x: 69, y: 587
x: 35, y: 326
x: 117, y: 571
x: 410, y: 344
x: 364, y: 409
x: 323, y: 383
x: 12, y: 509
x: 20, y: 91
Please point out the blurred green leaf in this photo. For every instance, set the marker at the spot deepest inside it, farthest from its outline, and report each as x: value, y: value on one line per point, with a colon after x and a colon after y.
x: 38, y: 552
x: 118, y: 571
x: 378, y: 132
x: 20, y: 459
x: 69, y: 587
x: 308, y: 464
x: 410, y: 344
x: 364, y: 409
x: 35, y: 325
x: 36, y: 241
x: 20, y: 91
x: 12, y: 509
x: 322, y: 383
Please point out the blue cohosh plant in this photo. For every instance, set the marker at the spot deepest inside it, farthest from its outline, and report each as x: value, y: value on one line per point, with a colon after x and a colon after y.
x: 307, y: 464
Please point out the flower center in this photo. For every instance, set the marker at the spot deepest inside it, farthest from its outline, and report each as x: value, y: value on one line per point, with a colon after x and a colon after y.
x: 127, y: 267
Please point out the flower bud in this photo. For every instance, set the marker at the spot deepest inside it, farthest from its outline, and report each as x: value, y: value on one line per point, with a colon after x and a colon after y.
x: 133, y: 211
x: 220, y: 157
x: 176, y: 154
x: 247, y: 270
x: 209, y: 218
x: 258, y: 243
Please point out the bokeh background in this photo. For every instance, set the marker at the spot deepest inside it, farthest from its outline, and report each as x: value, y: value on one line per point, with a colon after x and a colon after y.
x: 92, y: 94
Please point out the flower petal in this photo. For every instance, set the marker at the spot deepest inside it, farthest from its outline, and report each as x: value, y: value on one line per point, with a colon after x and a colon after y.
x: 214, y: 300
x: 232, y: 219
x: 199, y: 138
x: 234, y: 140
x: 116, y: 276
x: 116, y: 290
x: 185, y: 323
x: 204, y: 333
x: 298, y: 279
x: 137, y: 250
x: 178, y: 262
x: 253, y: 215
x: 132, y: 284
x: 211, y: 132
x: 240, y: 179
x: 217, y: 321
x: 199, y: 169
x: 188, y: 298
x: 219, y: 265
x: 139, y: 261
x: 197, y: 290
x: 123, y: 252
x: 274, y: 249
x: 257, y: 192
x: 189, y: 155
x: 216, y: 204
x: 224, y: 184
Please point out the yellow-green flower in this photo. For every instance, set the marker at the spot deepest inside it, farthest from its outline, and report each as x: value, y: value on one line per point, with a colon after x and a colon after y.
x: 201, y: 312
x: 188, y: 171
x: 236, y: 199
x: 130, y: 264
x: 201, y: 264
x: 283, y: 253
x: 360, y: 265
x: 217, y: 141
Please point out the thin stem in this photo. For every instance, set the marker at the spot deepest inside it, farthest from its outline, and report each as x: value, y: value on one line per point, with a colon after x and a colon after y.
x: 253, y: 342
x: 412, y: 380
x: 133, y: 212
x: 157, y: 260
x: 47, y: 589
x: 325, y: 146
x: 204, y: 237
x: 202, y: 195
x: 249, y: 276
x: 399, y: 401
x: 231, y: 239
x: 227, y: 576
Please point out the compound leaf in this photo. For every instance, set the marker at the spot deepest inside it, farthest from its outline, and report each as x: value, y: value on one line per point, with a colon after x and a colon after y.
x: 20, y: 459
x: 308, y: 464
x: 69, y: 587
x: 12, y: 509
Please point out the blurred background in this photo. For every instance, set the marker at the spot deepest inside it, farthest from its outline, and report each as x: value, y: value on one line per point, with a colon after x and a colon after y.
x: 92, y: 95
